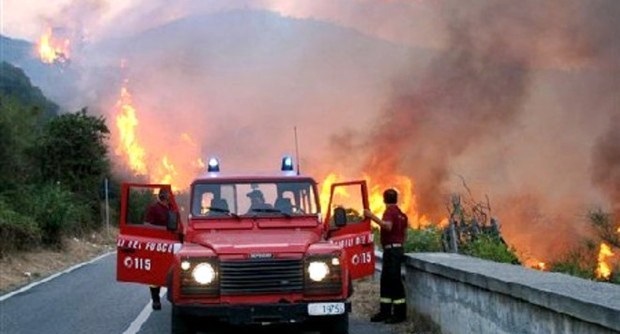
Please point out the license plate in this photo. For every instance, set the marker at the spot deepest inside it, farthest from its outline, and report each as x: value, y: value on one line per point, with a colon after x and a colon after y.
x: 325, y: 308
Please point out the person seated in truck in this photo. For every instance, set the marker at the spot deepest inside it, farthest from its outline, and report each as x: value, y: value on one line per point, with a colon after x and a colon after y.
x: 257, y: 202
x: 218, y: 208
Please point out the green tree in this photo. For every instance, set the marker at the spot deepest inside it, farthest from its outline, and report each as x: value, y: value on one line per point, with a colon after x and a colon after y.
x: 72, y: 152
x: 18, y: 125
x: 14, y: 83
x: 23, y: 111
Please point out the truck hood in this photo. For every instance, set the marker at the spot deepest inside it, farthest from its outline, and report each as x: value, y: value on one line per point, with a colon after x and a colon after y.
x: 253, y: 241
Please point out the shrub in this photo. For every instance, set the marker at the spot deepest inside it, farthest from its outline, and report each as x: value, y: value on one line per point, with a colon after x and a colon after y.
x: 56, y: 211
x: 72, y: 150
x: 580, y: 261
x: 427, y: 239
x: 17, y: 232
x: 492, y: 248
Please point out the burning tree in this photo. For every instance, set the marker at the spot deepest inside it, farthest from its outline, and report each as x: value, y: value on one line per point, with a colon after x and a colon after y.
x: 52, y: 48
x: 473, y: 231
x: 595, y: 259
x: 610, y: 237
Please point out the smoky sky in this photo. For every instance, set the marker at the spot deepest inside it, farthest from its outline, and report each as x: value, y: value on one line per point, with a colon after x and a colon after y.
x: 523, y: 103
x: 518, y: 98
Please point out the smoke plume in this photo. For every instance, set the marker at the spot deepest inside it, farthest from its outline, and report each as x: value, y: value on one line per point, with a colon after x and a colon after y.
x: 520, y: 98
x: 500, y: 106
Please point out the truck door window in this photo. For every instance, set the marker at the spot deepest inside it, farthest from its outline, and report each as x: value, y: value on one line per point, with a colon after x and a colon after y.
x: 350, y: 198
x: 139, y: 200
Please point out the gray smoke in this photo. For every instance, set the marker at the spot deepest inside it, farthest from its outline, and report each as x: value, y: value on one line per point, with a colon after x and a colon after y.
x: 521, y: 102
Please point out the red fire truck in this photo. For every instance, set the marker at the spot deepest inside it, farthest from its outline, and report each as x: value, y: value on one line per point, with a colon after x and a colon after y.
x: 254, y: 250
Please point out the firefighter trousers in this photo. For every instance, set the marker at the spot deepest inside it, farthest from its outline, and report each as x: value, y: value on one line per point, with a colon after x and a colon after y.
x: 392, y: 289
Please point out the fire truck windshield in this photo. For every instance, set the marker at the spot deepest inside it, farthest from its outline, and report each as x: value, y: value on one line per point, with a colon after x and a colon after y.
x: 259, y: 199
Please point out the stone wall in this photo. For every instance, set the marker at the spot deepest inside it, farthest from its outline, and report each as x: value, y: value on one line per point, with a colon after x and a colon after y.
x: 469, y: 295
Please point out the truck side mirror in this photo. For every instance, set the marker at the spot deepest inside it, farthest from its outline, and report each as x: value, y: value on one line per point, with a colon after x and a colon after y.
x: 340, y: 217
x: 173, y: 222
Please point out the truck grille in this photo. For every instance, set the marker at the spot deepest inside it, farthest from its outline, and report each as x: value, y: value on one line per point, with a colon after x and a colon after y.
x: 261, y: 276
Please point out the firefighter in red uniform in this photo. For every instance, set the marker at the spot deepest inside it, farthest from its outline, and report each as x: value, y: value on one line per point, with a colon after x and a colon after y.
x: 393, y: 229
x: 157, y: 214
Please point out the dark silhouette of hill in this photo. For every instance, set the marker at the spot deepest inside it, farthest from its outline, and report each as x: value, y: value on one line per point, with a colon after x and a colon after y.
x: 14, y: 50
x: 14, y: 84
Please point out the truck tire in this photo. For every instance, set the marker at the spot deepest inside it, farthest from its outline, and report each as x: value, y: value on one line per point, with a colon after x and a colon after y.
x: 336, y: 325
x: 180, y: 324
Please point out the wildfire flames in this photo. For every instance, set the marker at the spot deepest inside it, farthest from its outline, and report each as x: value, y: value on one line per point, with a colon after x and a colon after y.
x: 376, y: 186
x: 603, y: 270
x: 52, y: 49
x: 146, y: 158
x: 127, y: 122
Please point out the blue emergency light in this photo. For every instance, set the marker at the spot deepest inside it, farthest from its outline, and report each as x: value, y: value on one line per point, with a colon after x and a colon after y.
x: 213, y: 166
x: 287, y: 164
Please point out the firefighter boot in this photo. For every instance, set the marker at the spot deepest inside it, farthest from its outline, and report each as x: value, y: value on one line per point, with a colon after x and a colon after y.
x: 384, y: 313
x: 400, y: 314
x: 155, y: 298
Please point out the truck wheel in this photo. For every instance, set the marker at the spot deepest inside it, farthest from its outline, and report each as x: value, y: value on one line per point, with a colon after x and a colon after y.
x: 337, y: 325
x: 180, y: 324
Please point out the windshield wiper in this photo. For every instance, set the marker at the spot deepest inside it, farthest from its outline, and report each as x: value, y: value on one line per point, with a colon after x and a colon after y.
x: 270, y: 210
x: 216, y: 209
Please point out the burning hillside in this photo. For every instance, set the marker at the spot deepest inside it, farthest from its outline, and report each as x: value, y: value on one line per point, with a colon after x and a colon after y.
x: 518, y: 98
x: 153, y: 163
x: 52, y: 48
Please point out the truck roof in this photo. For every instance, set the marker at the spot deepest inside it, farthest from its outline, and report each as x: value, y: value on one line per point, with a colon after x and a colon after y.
x: 255, y: 177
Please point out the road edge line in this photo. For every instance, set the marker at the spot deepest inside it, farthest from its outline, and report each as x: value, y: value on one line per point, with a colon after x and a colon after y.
x: 144, y: 315
x: 51, y: 277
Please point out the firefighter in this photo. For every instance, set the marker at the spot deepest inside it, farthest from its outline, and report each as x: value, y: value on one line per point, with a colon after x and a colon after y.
x: 157, y: 214
x: 257, y: 202
x: 393, y: 228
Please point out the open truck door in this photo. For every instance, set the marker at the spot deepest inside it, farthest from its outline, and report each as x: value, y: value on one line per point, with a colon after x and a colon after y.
x: 349, y: 228
x: 145, y: 252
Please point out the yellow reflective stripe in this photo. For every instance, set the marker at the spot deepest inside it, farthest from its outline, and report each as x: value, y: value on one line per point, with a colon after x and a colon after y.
x: 400, y: 301
x: 386, y: 300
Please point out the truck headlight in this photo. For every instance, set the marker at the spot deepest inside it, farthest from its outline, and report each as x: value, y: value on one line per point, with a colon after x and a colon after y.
x: 203, y: 273
x: 318, y: 270
x: 323, y: 274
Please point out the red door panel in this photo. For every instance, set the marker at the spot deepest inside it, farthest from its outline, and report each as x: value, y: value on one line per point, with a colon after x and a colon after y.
x: 356, y: 237
x: 144, y: 252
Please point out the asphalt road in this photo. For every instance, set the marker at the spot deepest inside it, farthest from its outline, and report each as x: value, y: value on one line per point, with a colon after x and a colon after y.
x: 89, y: 300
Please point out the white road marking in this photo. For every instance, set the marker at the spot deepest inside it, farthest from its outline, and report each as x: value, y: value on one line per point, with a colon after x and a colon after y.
x: 49, y: 278
x: 143, y: 316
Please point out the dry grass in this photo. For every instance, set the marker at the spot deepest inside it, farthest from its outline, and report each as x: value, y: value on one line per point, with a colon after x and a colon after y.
x: 365, y: 302
x: 21, y: 268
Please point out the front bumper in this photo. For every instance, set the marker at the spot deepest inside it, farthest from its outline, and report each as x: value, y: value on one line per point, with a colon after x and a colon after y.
x: 253, y: 313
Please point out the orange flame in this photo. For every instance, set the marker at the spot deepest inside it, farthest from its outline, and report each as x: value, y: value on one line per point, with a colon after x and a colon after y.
x: 402, y: 184
x: 165, y: 173
x: 326, y: 190
x: 407, y: 198
x: 603, y: 270
x: 160, y: 164
x: 127, y: 122
x: 200, y: 165
x: 53, y: 49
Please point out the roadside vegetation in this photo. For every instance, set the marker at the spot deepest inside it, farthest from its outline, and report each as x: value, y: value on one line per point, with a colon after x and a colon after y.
x: 53, y: 166
x: 468, y: 236
x: 585, y: 260
x: 470, y: 231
